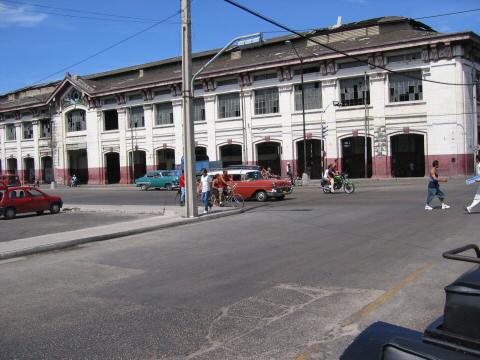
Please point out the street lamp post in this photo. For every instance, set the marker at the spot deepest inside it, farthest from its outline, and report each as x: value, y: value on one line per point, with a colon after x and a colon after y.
x: 305, y: 176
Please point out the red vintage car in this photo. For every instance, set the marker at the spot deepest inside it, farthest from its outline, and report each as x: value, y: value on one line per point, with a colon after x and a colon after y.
x: 250, y: 184
x: 25, y: 199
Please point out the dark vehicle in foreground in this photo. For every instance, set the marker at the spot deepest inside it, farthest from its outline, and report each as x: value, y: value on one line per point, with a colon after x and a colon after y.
x: 25, y: 199
x: 340, y: 181
x: 454, y: 336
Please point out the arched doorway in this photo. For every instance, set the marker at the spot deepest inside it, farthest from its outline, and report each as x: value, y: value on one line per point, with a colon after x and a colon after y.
x: 408, y: 155
x: 165, y: 159
x: 231, y: 154
x: 78, y: 164
x: 201, y: 153
x: 29, y: 170
x: 353, y: 156
x: 137, y: 164
x: 112, y: 167
x: 269, y: 155
x: 12, y: 166
x: 314, y: 158
x: 47, y: 169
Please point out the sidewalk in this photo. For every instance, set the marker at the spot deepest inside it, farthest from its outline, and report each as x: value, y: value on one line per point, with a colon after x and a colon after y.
x: 170, y: 218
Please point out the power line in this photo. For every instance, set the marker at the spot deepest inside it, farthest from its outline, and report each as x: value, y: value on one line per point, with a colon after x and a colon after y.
x: 344, y: 53
x: 447, y: 14
x: 107, y: 48
x: 124, y: 17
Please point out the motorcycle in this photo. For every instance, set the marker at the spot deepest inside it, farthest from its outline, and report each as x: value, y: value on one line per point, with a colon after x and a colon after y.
x: 340, y: 181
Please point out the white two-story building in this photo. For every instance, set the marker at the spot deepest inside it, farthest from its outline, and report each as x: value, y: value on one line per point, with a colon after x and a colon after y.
x: 410, y: 93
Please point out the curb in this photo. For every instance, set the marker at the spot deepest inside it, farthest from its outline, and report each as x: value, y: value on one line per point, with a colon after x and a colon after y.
x: 75, y: 242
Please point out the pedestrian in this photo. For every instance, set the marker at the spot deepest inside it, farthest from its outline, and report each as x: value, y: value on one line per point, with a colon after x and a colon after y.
x: 476, y: 199
x: 289, y: 171
x: 182, y: 189
x: 434, y: 187
x: 206, y: 182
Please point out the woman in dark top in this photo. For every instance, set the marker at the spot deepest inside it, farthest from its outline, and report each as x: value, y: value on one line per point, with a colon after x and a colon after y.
x: 434, y: 188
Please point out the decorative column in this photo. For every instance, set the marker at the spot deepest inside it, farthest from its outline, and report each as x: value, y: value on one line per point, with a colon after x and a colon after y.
x: 3, y: 158
x: 149, y: 121
x: 285, y: 102
x: 178, y: 129
x: 124, y: 163
x: 380, y: 161
x: 18, y: 138
x: 247, y: 99
x: 211, y: 118
x: 331, y: 143
x: 36, y: 155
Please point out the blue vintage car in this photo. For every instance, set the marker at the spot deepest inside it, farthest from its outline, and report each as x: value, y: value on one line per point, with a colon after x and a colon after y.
x: 159, y: 179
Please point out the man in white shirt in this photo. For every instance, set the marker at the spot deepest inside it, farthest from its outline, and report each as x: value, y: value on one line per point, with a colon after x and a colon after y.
x: 206, y: 182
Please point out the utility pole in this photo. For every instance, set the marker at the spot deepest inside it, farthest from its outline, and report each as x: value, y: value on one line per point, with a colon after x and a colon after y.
x: 366, y: 123
x: 187, y: 109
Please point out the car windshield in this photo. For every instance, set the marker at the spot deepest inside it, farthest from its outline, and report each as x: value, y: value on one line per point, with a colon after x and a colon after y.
x: 253, y: 175
x: 168, y: 173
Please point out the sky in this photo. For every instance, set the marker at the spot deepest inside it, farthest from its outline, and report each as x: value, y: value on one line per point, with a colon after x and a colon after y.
x: 38, y: 45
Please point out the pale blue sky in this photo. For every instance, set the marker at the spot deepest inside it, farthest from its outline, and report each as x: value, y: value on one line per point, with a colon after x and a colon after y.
x: 35, y: 43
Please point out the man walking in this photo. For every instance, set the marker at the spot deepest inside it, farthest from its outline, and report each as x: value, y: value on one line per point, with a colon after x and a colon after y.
x: 182, y: 189
x: 476, y: 199
x: 206, y: 182
x: 434, y: 187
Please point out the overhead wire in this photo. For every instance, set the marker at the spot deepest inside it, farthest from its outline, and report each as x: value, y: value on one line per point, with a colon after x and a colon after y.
x: 107, y: 48
x: 331, y: 48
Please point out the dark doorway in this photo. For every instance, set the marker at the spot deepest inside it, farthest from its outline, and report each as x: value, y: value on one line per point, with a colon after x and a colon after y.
x: 29, y: 170
x: 12, y: 166
x: 112, y: 168
x: 47, y: 169
x: 139, y: 162
x: 201, y: 153
x: 268, y: 156
x: 231, y: 154
x: 314, y: 158
x: 165, y: 159
x: 408, y: 155
x: 353, y: 156
x: 78, y: 165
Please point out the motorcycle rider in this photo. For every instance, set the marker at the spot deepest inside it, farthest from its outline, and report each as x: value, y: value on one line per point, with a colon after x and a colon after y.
x: 331, y: 176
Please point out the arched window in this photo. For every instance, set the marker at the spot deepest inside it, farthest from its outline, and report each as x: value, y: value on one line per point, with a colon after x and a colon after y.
x: 76, y: 121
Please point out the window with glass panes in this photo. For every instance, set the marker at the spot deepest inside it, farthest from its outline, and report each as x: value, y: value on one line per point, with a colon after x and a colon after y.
x: 27, y: 128
x: 354, y: 91
x: 406, y: 86
x: 164, y: 113
x: 266, y: 101
x: 76, y: 121
x: 45, y: 129
x: 199, y: 109
x: 312, y: 96
x: 10, y: 133
x: 229, y: 105
x: 136, y: 118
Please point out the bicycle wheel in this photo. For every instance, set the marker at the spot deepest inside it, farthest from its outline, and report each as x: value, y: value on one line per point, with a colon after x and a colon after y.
x: 237, y: 201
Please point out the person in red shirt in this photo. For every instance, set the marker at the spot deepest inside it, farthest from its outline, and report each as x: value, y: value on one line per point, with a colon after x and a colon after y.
x: 182, y: 189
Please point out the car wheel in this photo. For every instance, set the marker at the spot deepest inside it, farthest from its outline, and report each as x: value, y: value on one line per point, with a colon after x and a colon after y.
x: 10, y: 213
x: 144, y: 187
x: 169, y: 187
x: 55, y: 208
x: 261, y: 196
x: 40, y: 212
x: 281, y: 197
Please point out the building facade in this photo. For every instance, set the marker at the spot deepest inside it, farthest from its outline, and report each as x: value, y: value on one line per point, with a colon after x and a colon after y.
x: 113, y: 127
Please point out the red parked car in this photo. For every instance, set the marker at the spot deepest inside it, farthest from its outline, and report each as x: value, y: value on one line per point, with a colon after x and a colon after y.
x: 250, y: 184
x: 25, y: 199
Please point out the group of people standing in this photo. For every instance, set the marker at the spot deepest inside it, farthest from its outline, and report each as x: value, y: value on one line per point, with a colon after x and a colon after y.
x: 206, y: 186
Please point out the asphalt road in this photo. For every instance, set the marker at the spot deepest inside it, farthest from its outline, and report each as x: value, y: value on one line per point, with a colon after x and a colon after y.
x: 284, y: 281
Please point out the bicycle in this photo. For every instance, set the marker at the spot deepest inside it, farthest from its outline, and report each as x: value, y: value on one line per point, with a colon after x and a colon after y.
x: 232, y: 199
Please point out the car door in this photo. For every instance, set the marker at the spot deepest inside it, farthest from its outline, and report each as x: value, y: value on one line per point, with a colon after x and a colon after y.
x: 157, y: 181
x: 19, y: 200
x: 38, y: 200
